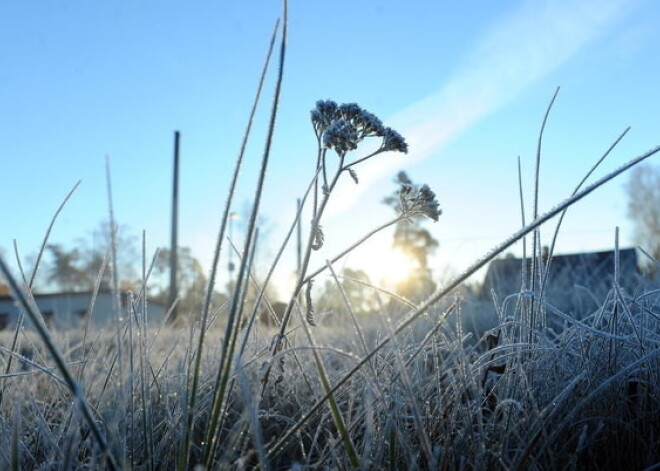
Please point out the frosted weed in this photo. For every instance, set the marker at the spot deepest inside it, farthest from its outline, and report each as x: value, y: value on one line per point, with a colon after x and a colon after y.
x: 342, y: 128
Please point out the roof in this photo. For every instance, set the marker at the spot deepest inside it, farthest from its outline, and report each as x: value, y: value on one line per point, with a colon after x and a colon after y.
x: 592, y: 270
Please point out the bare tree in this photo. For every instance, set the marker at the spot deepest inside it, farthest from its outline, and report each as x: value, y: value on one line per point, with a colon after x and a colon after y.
x: 643, y: 189
x: 95, y: 248
x: 80, y: 268
x: 65, y: 271
x: 190, y: 279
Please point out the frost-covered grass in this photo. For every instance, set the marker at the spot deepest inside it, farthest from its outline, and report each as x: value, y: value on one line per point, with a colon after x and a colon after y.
x: 404, y: 388
x: 434, y: 397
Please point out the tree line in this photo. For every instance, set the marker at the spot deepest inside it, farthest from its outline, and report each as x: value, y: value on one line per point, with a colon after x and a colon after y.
x: 88, y: 264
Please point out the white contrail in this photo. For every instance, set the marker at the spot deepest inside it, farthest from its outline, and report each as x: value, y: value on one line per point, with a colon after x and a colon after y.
x: 533, y: 40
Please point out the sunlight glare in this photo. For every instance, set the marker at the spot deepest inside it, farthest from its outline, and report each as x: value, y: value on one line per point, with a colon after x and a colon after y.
x: 390, y: 268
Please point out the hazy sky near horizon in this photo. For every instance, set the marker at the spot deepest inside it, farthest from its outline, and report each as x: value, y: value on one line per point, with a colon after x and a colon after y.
x: 466, y: 83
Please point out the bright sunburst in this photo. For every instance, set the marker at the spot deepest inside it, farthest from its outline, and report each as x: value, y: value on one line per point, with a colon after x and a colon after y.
x: 389, y: 267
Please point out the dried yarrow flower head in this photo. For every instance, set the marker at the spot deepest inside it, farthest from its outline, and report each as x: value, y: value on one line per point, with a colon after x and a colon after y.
x: 342, y: 127
x: 420, y: 200
x: 324, y: 115
x: 392, y: 140
x: 342, y: 136
x: 367, y: 124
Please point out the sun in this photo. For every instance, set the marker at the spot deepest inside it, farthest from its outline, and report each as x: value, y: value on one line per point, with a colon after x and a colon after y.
x: 388, y: 267
x: 397, y: 267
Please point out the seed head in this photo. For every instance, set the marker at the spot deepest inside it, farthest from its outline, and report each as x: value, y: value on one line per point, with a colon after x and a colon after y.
x: 420, y: 200
x: 370, y: 124
x: 349, y: 111
x: 325, y: 113
x: 342, y: 136
x: 428, y: 204
x: 343, y: 126
x: 392, y: 140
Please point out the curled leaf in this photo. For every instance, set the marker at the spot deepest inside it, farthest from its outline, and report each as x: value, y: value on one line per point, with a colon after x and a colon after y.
x: 319, y: 238
x: 353, y: 175
x: 310, y: 307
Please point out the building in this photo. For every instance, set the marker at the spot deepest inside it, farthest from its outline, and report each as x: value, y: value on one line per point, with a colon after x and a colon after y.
x: 63, y: 311
x: 576, y: 283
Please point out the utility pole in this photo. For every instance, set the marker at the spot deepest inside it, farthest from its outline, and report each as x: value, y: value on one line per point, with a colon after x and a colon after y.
x: 299, y: 241
x: 174, y: 243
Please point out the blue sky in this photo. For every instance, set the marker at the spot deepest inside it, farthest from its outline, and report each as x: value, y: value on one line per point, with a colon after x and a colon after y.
x: 467, y: 83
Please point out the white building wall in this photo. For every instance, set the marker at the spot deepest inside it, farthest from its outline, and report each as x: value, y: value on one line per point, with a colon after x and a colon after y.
x: 63, y: 311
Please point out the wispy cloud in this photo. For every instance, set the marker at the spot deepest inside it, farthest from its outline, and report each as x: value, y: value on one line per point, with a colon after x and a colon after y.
x: 527, y: 44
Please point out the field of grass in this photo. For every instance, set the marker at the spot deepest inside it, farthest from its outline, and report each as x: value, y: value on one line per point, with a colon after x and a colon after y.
x: 432, y: 397
x: 407, y: 387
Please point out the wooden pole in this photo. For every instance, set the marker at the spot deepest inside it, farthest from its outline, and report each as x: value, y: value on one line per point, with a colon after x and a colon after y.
x: 175, y: 230
x: 299, y: 242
